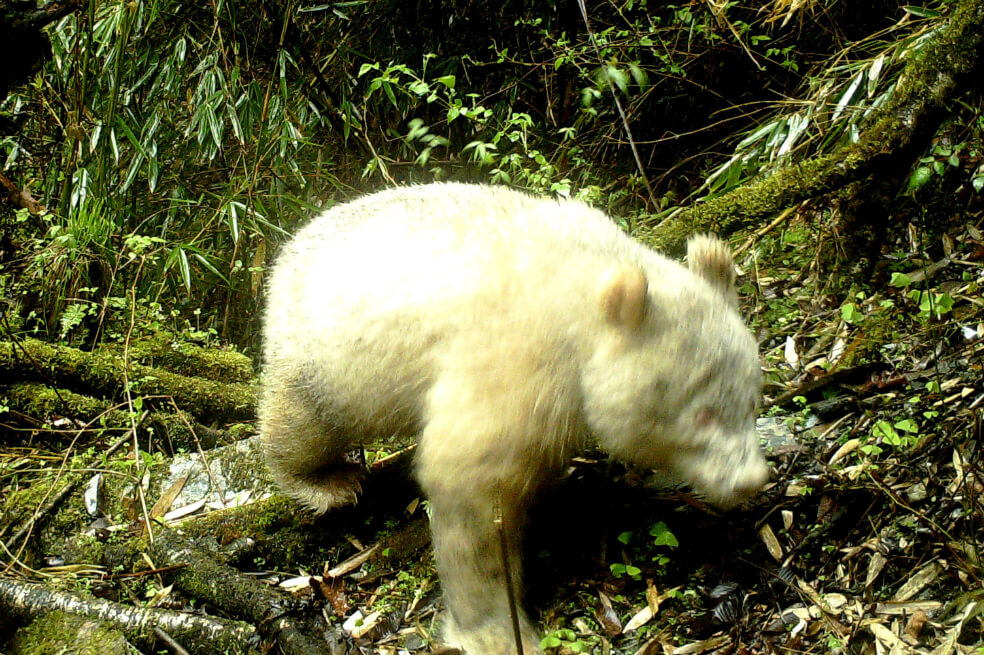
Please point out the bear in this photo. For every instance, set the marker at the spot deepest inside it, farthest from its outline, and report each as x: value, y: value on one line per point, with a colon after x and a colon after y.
x: 505, y: 333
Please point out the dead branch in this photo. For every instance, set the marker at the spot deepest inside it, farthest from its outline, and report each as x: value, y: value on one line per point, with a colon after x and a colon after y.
x: 224, y: 587
x: 42, y: 403
x: 21, y: 197
x: 24, y: 601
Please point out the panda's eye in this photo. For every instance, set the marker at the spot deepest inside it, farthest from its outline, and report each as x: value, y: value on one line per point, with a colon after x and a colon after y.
x: 705, y: 417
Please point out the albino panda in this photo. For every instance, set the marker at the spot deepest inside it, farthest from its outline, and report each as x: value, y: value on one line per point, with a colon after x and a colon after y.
x: 506, y: 333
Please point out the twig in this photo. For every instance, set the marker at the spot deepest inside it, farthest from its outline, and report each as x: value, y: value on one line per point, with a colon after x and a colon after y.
x: 55, y: 500
x: 504, y: 551
x: 618, y: 103
x: 201, y: 453
x: 129, y: 402
x: 140, y: 574
x: 768, y: 228
x: 169, y: 640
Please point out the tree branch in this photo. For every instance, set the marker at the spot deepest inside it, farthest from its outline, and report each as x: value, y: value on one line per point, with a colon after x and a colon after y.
x: 902, y: 129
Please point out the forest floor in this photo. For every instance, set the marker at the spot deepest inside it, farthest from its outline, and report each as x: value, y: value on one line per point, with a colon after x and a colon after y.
x: 867, y: 540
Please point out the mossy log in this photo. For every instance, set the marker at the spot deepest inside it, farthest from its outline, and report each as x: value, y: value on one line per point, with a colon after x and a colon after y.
x: 222, y: 586
x: 288, y: 536
x: 178, y: 429
x: 200, y: 634
x: 104, y: 374
x: 168, y: 352
x: 58, y: 632
x: 900, y: 130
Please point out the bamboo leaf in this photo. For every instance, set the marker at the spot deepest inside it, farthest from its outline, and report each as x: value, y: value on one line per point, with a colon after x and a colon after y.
x: 207, y: 264
x: 848, y: 95
x: 184, y: 268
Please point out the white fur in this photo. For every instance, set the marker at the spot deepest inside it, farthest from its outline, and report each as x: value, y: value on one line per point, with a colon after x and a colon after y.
x: 506, y: 332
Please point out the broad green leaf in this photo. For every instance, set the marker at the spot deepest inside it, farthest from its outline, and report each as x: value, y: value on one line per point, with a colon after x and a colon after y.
x: 919, y: 178
x: 663, y: 535
x: 618, y: 77
x: 907, y: 425
x: 900, y: 280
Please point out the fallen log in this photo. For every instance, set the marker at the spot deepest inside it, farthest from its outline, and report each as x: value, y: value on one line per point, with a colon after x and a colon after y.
x: 166, y: 351
x: 23, y: 601
x: 104, y: 374
x: 177, y: 429
x: 222, y: 586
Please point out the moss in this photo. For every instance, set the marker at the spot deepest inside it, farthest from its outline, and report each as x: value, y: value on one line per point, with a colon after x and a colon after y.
x: 886, y: 148
x: 42, y: 402
x: 59, y: 633
x: 239, y: 431
x: 104, y: 373
x: 286, y: 535
x: 169, y: 352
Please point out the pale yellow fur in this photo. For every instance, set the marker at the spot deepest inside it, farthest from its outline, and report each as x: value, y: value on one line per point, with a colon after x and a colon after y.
x: 506, y: 333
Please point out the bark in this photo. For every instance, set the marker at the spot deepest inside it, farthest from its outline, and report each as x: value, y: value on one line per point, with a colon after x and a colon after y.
x: 103, y: 373
x: 224, y: 587
x: 40, y: 404
x: 901, y: 130
x: 22, y: 601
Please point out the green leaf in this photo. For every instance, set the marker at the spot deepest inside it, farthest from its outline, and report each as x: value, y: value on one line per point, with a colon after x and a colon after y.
x: 419, y: 87
x: 625, y: 538
x: 184, y: 268
x: 919, y: 178
x: 388, y: 90
x: 447, y: 80
x: 907, y: 425
x: 900, y: 280
x: 618, y: 77
x: 639, y: 75
x: 207, y: 264
x: 72, y: 317
x: 944, y: 303
x: 663, y: 535
x: 850, y: 313
x: 884, y: 430
x: 922, y: 12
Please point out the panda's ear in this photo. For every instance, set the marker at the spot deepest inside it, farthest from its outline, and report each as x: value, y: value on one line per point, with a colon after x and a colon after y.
x: 710, y: 258
x: 624, y: 298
